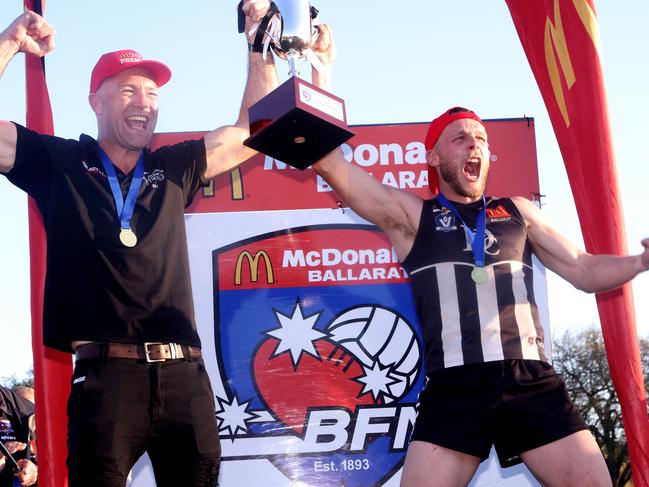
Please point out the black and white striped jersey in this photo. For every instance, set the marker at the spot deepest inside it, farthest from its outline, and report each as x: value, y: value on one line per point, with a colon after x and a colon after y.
x: 464, y: 322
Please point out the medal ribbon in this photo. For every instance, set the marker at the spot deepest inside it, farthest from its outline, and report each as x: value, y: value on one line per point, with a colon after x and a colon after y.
x: 124, y: 208
x: 477, y: 238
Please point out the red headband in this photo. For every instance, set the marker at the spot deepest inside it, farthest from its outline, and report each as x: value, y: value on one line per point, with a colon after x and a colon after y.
x: 435, y: 130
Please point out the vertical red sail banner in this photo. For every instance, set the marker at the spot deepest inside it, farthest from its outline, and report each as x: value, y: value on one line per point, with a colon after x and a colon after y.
x: 52, y: 369
x: 561, y: 41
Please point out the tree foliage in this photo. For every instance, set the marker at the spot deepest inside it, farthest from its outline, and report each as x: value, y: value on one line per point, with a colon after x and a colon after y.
x: 581, y: 359
x: 13, y: 380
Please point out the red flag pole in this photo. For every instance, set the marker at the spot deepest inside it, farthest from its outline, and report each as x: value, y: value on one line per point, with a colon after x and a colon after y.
x: 561, y: 41
x: 52, y: 369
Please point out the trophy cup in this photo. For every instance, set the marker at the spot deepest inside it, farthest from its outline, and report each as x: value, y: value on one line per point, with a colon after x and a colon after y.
x: 297, y: 123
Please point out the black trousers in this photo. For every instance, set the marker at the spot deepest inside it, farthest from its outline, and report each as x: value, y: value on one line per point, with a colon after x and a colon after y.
x: 120, y: 408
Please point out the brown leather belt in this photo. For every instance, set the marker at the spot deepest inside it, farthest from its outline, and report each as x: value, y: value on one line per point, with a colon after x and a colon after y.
x: 149, y: 351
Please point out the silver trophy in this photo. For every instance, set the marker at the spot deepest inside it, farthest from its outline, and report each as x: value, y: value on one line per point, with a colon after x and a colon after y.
x: 295, y: 35
x: 297, y: 123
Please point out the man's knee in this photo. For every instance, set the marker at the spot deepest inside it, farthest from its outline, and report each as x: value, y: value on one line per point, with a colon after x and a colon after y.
x: 575, y: 460
x: 206, y: 472
x: 429, y: 465
x: 98, y: 473
x: 201, y: 471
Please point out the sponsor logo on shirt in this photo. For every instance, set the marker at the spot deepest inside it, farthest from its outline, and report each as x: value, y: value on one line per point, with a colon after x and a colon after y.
x: 154, y: 177
x: 498, y: 214
x: 94, y: 170
x: 535, y: 340
x: 6, y: 431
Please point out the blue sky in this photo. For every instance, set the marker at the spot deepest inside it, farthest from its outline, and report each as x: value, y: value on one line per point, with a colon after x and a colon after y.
x: 397, y: 62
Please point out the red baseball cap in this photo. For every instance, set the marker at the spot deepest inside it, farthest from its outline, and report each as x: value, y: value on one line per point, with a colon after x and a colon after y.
x: 115, y: 62
x: 435, y: 130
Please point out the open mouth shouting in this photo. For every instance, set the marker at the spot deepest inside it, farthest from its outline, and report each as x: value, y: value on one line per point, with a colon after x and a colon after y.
x: 137, y: 122
x: 472, y: 168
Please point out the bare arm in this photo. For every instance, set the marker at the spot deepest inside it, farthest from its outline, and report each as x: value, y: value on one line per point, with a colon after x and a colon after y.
x: 225, y: 149
x: 325, y: 48
x: 587, y: 272
x: 31, y: 34
x: 8, y: 138
x: 395, y: 211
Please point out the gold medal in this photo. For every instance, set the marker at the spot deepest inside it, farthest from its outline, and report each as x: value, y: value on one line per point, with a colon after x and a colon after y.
x: 479, y: 275
x: 127, y: 237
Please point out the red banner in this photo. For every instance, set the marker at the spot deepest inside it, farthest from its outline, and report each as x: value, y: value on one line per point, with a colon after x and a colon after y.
x: 394, y: 154
x: 52, y: 369
x: 561, y: 41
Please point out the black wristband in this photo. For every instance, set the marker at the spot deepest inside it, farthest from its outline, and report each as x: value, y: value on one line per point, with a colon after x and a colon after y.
x: 255, y: 48
x: 241, y: 18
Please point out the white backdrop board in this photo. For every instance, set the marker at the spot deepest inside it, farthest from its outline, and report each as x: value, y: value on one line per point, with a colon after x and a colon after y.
x: 307, y: 322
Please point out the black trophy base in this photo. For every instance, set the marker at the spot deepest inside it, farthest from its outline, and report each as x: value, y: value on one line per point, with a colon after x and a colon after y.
x: 291, y: 131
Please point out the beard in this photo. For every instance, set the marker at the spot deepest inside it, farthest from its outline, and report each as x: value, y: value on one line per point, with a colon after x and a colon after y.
x: 452, y: 178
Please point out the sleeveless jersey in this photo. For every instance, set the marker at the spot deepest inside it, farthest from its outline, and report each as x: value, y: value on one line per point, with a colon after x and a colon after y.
x: 464, y: 322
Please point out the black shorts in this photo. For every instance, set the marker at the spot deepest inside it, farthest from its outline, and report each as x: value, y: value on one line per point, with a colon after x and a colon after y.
x: 516, y: 405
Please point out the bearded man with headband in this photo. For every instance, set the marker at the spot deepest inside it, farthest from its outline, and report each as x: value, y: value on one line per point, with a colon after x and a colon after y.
x: 489, y: 381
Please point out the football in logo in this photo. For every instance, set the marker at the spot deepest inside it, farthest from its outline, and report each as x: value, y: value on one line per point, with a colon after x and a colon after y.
x: 329, y: 379
x: 383, y: 341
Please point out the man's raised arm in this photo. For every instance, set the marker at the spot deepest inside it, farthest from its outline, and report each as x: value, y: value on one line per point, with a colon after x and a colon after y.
x: 31, y: 34
x: 395, y: 211
x: 225, y: 149
x: 587, y: 272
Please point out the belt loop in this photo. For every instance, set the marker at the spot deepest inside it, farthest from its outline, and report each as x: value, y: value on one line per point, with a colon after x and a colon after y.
x: 187, y: 354
x: 103, y: 352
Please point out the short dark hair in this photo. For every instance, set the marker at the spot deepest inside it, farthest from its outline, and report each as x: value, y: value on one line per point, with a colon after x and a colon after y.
x: 455, y: 110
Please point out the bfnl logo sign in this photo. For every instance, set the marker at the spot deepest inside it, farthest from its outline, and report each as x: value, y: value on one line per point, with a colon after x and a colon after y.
x: 319, y: 380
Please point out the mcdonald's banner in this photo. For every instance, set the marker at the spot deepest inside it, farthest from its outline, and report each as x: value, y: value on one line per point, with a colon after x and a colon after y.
x: 52, y: 369
x: 562, y: 43
x: 307, y: 322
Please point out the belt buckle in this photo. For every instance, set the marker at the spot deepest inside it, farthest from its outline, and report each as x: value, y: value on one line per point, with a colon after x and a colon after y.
x: 147, y: 353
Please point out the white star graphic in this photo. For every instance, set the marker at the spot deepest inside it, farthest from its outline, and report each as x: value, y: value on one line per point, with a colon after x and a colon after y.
x: 296, y: 333
x: 376, y: 380
x: 232, y: 415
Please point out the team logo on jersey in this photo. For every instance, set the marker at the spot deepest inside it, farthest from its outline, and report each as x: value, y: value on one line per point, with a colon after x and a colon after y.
x: 445, y: 221
x: 490, y: 243
x: 318, y: 377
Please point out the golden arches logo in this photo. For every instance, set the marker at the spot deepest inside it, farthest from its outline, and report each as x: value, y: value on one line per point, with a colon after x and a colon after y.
x: 236, y: 186
x: 253, y: 264
x: 555, y: 40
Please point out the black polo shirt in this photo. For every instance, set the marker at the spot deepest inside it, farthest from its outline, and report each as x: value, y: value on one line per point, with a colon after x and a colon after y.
x: 96, y: 288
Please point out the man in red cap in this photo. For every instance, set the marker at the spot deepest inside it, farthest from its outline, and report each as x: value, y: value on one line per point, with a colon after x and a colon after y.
x: 117, y: 291
x: 469, y: 258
